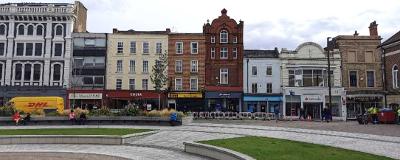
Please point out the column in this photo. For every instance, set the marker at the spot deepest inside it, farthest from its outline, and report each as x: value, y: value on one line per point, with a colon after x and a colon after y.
x: 9, y: 53
x: 67, y: 55
x: 47, y: 54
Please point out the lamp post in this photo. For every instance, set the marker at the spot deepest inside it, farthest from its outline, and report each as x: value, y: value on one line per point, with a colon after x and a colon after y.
x: 291, y: 93
x: 329, y: 76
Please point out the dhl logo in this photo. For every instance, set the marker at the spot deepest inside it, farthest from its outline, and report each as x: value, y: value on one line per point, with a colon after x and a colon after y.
x: 37, y: 104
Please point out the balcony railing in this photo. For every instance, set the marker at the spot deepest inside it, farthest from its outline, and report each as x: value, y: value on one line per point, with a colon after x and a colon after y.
x: 36, y: 9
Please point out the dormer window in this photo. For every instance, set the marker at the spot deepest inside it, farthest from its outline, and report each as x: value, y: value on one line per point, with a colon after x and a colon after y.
x: 223, y: 36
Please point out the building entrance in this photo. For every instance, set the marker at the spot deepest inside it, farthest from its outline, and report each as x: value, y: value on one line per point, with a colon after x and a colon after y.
x: 313, y: 110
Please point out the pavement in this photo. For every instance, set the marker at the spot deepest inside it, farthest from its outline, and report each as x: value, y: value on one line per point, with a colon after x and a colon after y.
x: 167, y: 143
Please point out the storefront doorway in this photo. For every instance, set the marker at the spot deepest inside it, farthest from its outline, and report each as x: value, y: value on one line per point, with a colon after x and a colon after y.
x: 359, y: 105
x: 313, y: 110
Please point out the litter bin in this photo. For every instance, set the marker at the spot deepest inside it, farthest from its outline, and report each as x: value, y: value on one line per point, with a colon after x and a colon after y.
x: 387, y: 116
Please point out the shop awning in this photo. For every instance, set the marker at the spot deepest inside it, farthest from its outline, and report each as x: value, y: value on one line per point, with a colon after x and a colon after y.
x: 262, y: 98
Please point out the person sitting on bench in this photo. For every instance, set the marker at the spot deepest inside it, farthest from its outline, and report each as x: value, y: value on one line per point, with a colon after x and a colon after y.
x: 26, y: 119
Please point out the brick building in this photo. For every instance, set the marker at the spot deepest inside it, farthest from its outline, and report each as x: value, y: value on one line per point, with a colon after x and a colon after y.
x: 361, y: 70
x: 186, y: 71
x: 224, y: 63
x: 391, y: 63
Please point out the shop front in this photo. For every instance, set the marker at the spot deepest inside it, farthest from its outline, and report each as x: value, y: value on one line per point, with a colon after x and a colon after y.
x: 223, y: 101
x: 359, y: 104
x: 146, y: 100
x: 88, y: 99
x: 262, y: 103
x: 186, y: 101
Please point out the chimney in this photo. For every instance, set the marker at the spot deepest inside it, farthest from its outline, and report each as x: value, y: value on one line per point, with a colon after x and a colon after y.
x: 355, y: 33
x: 373, y: 29
x: 168, y: 30
x: 115, y: 30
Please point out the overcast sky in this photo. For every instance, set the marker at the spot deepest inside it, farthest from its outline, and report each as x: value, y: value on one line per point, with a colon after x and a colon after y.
x: 267, y: 24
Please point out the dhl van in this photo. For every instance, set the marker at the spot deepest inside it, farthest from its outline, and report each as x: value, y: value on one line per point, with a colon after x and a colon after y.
x: 30, y: 104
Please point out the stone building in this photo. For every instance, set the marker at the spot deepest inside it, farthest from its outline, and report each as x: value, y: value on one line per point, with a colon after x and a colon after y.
x: 262, y: 81
x: 224, y: 63
x: 186, y: 71
x: 305, y: 82
x: 391, y: 63
x: 361, y: 70
x: 35, y: 47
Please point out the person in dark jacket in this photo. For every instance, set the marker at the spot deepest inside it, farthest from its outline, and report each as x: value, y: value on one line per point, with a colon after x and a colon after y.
x: 82, y: 118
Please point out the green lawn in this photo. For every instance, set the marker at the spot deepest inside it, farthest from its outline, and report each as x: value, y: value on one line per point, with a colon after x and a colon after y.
x: 279, y: 149
x: 72, y: 131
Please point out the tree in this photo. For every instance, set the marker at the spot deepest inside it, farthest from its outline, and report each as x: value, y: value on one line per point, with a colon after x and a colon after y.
x: 159, y: 74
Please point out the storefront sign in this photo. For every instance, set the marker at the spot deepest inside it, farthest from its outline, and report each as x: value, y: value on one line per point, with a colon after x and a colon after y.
x: 135, y: 94
x: 85, y: 96
x: 132, y: 95
x: 223, y: 95
x: 312, y: 98
x: 185, y: 95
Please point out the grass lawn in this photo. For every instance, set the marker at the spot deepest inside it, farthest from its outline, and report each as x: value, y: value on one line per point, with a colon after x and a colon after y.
x: 278, y: 149
x: 72, y: 131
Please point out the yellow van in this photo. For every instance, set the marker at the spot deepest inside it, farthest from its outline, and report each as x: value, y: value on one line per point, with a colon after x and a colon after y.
x: 30, y: 104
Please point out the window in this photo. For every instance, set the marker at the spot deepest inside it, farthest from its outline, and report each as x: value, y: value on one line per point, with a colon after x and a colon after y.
x: 145, y: 66
x: 119, y: 66
x: 223, y: 36
x: 269, y: 71
x: 30, y: 30
x: 370, y: 78
x: 2, y: 29
x: 118, y: 84
x: 369, y: 57
x: 2, y: 49
x: 57, y: 72
x: 193, y: 84
x: 29, y: 49
x: 224, y: 53
x: 58, y: 49
x: 158, y: 48
x: 39, y: 30
x: 88, y: 81
x: 38, y: 49
x: 212, y: 39
x: 353, y: 78
x: 99, y: 80
x: 145, y: 83
x: 318, y: 79
x: 223, y: 75
x: 1, y: 71
x: 179, y: 47
x: 352, y: 56
x: 194, y: 47
x: 36, y: 72
x: 120, y: 47
x: 21, y: 30
x: 291, y: 78
x: 269, y: 87
x: 28, y: 71
x: 254, y: 70
x: 178, y: 84
x: 59, y: 30
x: 20, y: 49
x: 132, y: 66
x: 18, y: 72
x: 178, y: 66
x: 326, y: 78
x: 395, y: 76
x: 132, y: 49
x: 307, y: 78
x: 213, y: 53
x: 146, y: 47
x: 131, y: 84
x: 234, y: 52
x: 193, y: 66
x: 254, y: 88
x: 234, y: 39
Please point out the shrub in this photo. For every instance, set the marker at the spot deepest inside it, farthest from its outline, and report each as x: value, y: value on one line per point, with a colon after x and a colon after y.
x: 163, y: 113
x: 103, y: 111
x: 79, y: 111
x: 7, y: 111
x: 129, y: 111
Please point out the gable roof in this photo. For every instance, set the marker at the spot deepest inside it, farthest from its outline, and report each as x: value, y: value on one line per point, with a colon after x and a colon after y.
x: 394, y: 38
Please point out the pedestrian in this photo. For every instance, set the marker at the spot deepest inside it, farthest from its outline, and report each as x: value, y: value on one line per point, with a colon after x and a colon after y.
x: 276, y: 111
x: 328, y: 115
x: 71, y: 117
x: 373, y: 111
x: 82, y: 118
x: 26, y: 119
x: 16, y: 117
x: 398, y: 115
x: 302, y: 114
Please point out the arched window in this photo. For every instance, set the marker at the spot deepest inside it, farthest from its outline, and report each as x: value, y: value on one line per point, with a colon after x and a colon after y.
x: 18, y: 71
x: 59, y: 30
x: 28, y: 71
x: 56, y: 72
x: 30, y: 30
x: 36, y: 72
x: 2, y: 29
x: 39, y: 30
x: 1, y: 71
x: 21, y: 30
x: 395, y: 76
x: 223, y: 36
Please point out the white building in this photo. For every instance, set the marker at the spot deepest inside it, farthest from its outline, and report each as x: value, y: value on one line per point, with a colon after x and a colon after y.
x: 35, y: 47
x: 262, y: 81
x: 305, y: 82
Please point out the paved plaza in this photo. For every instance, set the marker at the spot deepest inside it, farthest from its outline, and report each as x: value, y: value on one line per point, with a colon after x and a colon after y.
x: 167, y: 143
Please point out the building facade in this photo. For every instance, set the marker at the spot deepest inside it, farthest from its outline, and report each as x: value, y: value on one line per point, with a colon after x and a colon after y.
x: 305, y: 82
x: 361, y: 70
x: 130, y: 58
x: 87, y: 82
x: 186, y: 71
x: 224, y: 62
x: 391, y: 63
x: 35, y: 47
x: 262, y: 81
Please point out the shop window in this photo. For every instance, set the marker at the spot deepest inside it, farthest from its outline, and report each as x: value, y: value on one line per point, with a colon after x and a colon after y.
x: 88, y: 80
x: 99, y: 80
x: 1, y: 71
x: 395, y: 76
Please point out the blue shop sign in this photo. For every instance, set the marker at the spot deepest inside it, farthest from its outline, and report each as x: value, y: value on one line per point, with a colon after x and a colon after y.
x: 262, y: 98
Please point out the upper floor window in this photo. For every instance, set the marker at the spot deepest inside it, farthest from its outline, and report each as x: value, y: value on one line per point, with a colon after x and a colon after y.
x: 194, y: 47
x: 58, y: 49
x: 132, y: 49
x: 18, y: 72
x: 120, y: 47
x: 146, y: 46
x: 269, y: 87
x: 21, y: 30
x: 291, y: 78
x: 145, y: 66
x: 370, y: 78
x: 30, y: 30
x: 158, y: 48
x: 212, y: 39
x: 223, y: 36
x: 20, y: 49
x: 59, y: 30
x: 29, y: 49
x: 369, y: 57
x: 132, y: 66
x: 39, y: 30
x: 118, y: 84
x: 213, y: 53
x: 38, y: 49
x: 234, y: 39
x: 2, y: 49
x: 234, y: 52
x: 353, y: 78
x: 224, y: 53
x: 36, y: 72
x: 178, y: 66
x: 179, y: 47
x: 193, y: 84
x: 2, y: 29
x: 131, y: 84
x: 254, y: 88
x: 56, y: 72
x: 28, y: 71
x: 223, y: 75
x: 193, y: 66
x: 1, y: 71
x: 395, y: 76
x: 178, y: 84
x: 145, y: 84
x: 269, y: 71
x: 119, y: 66
x: 254, y: 70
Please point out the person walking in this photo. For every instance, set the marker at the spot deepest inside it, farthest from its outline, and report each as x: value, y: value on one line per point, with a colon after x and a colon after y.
x: 71, y: 117
x: 16, y: 117
x: 276, y: 111
x: 373, y: 111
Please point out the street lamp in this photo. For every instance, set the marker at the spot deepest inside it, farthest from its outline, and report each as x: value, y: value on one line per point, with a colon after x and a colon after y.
x: 329, y: 76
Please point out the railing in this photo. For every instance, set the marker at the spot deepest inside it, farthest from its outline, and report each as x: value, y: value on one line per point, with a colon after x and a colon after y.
x: 41, y: 9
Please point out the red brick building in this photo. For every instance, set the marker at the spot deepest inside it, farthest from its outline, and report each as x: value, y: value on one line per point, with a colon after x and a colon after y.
x: 391, y: 62
x: 224, y: 63
x: 186, y: 71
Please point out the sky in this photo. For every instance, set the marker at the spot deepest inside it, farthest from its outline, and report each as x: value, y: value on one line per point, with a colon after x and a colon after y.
x: 267, y: 24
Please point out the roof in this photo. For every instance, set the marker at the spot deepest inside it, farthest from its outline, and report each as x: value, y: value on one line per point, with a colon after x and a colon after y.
x: 131, y: 31
x: 261, y: 53
x: 394, y: 38
x: 35, y: 4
